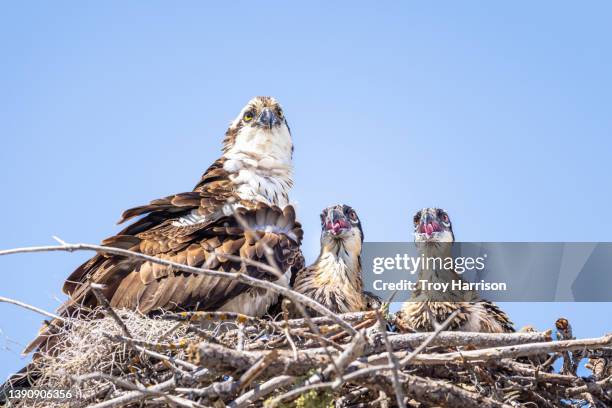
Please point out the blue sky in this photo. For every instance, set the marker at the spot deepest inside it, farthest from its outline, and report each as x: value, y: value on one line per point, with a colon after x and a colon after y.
x: 500, y: 113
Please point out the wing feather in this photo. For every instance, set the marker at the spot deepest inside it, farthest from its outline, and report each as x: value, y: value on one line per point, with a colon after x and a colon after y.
x: 148, y: 287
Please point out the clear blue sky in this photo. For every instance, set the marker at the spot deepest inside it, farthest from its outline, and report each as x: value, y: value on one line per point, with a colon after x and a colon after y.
x: 500, y: 113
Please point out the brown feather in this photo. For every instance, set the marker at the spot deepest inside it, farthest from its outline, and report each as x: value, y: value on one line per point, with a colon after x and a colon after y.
x: 186, y: 228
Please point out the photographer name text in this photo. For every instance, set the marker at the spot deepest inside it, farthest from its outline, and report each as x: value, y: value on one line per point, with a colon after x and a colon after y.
x: 444, y: 287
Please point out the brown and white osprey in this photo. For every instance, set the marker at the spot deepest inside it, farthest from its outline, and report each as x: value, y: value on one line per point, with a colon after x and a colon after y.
x: 424, y: 311
x: 252, y: 178
x: 334, y: 279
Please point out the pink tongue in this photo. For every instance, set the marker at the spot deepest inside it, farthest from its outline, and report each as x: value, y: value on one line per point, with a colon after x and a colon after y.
x: 429, y: 229
x: 336, y: 227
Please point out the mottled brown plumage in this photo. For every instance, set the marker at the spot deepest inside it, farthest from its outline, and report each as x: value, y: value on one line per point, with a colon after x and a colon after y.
x: 426, y: 310
x: 248, y: 185
x: 148, y: 286
x: 334, y: 279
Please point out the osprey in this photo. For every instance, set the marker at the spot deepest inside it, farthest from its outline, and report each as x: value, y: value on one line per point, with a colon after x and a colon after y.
x: 424, y: 311
x: 239, y: 207
x: 334, y: 279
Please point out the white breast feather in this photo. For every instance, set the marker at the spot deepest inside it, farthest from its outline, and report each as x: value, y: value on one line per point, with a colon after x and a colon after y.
x: 259, y: 163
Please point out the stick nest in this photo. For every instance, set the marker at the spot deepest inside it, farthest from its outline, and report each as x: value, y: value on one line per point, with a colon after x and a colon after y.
x: 220, y: 359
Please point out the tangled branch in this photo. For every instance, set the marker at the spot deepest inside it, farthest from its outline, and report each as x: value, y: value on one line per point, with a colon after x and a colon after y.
x: 221, y: 359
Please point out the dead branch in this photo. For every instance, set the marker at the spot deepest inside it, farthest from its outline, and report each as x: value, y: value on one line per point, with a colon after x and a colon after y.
x: 97, y: 291
x: 520, y: 350
x: 296, y: 297
x: 238, y: 361
x: 438, y: 392
x: 261, y: 391
x: 32, y: 308
x: 221, y: 360
x: 397, y: 388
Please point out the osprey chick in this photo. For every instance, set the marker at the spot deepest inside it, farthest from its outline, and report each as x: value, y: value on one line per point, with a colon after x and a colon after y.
x: 334, y: 279
x: 197, y: 228
x: 424, y: 311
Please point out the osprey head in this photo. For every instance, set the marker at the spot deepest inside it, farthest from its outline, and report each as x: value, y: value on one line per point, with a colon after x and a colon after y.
x: 260, y: 130
x: 433, y: 225
x: 340, y: 223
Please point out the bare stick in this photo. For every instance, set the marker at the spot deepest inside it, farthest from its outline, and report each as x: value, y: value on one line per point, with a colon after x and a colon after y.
x: 369, y: 370
x: 316, y: 331
x: 296, y: 392
x: 298, y: 298
x: 454, y: 339
x: 170, y: 331
x: 163, y: 357
x: 531, y: 372
x: 435, y: 334
x: 217, y: 316
x: 144, y: 347
x: 597, y: 388
x: 285, y: 307
x: 221, y: 360
x: 97, y: 288
x: 399, y: 394
x: 32, y: 308
x: 132, y: 396
x: 144, y: 391
x: 261, y: 391
x: 252, y: 373
x: 520, y: 350
x: 339, y: 365
x: 321, y: 339
x: 324, y: 320
x: 241, y: 337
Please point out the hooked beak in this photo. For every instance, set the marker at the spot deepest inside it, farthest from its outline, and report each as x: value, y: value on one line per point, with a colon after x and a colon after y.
x: 267, y: 118
x: 428, y: 226
x: 336, y: 222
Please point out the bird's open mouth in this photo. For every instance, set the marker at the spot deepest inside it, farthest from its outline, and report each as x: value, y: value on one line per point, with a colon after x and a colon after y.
x: 428, y: 231
x: 429, y: 228
x: 337, y: 227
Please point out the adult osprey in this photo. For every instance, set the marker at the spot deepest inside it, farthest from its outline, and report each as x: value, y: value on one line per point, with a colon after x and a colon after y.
x: 252, y: 178
x: 424, y: 311
x: 334, y: 279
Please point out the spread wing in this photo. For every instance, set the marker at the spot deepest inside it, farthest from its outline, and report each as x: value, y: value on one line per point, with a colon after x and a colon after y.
x: 154, y: 233
x: 148, y: 286
x: 199, y: 229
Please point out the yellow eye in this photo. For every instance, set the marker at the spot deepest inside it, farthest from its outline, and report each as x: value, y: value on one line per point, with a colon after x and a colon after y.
x: 248, y: 116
